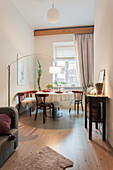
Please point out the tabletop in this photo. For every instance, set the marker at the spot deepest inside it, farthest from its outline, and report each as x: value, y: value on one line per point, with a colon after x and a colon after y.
x: 96, y: 96
x: 53, y: 93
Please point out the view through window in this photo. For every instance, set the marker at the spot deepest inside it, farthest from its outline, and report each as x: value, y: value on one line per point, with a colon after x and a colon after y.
x: 65, y: 56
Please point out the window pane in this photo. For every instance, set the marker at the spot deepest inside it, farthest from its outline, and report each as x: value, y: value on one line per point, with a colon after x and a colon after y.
x: 72, y: 74
x: 69, y: 73
x: 65, y: 52
x: 62, y: 76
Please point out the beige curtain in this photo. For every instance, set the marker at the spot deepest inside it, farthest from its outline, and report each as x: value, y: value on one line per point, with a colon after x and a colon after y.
x: 85, y: 51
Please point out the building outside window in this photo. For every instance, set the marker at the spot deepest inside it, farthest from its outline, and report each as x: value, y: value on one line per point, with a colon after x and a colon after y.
x: 66, y: 57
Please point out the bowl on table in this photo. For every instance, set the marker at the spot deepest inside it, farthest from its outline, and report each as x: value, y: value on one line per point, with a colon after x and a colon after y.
x: 58, y: 92
x: 46, y: 90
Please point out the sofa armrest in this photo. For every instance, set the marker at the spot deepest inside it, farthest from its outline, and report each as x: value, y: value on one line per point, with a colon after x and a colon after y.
x: 6, y: 110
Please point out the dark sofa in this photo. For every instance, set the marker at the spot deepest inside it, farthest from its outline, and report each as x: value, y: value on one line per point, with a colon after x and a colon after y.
x: 7, y: 147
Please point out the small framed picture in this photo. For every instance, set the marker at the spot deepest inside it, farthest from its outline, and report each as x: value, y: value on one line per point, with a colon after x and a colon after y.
x: 101, y: 76
x: 21, y: 70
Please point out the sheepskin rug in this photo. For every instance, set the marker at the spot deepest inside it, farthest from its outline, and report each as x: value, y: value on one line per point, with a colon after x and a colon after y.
x: 45, y: 159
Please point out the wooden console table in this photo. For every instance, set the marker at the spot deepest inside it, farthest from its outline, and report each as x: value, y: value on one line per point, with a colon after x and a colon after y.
x: 97, y: 99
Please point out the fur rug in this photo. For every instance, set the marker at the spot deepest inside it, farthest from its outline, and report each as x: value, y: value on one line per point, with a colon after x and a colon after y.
x: 45, y: 159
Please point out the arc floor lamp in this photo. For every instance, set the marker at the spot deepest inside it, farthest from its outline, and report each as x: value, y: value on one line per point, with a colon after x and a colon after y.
x: 9, y: 72
x: 52, y: 69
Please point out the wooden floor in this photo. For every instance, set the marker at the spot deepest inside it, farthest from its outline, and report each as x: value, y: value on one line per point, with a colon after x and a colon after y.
x: 66, y: 135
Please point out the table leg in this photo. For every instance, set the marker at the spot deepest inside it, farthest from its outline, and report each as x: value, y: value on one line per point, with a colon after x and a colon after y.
x: 90, y: 120
x: 85, y: 113
x: 104, y: 118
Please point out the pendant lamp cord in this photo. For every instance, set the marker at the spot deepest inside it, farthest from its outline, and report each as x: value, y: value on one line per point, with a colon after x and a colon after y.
x: 53, y: 4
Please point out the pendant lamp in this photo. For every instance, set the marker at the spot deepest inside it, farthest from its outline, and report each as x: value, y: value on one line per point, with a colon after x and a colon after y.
x: 53, y: 15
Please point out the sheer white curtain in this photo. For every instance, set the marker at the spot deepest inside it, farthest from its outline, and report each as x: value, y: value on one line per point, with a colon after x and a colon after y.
x: 85, y: 52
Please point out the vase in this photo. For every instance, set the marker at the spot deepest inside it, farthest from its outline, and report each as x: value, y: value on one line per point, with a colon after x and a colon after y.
x: 39, y: 88
x: 99, y: 88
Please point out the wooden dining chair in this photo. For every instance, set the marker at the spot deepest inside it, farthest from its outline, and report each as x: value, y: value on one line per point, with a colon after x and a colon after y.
x: 23, y: 95
x: 42, y: 104
x: 78, y: 100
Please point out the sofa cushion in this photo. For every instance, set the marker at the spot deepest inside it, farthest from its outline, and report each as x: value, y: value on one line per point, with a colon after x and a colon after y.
x: 5, y: 122
x: 4, y: 140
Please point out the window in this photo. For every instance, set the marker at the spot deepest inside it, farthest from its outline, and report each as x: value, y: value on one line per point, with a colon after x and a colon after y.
x: 64, y: 56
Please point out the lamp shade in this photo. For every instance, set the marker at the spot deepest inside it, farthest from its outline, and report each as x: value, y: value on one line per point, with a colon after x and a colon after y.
x: 55, y: 69
x: 53, y: 15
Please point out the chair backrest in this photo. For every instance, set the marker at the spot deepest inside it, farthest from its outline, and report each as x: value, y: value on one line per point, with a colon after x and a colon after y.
x: 78, y: 95
x: 23, y: 95
x: 40, y: 98
x: 32, y: 92
x: 20, y: 97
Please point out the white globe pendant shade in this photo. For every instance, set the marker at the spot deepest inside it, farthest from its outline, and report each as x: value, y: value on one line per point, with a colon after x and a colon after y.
x: 53, y: 15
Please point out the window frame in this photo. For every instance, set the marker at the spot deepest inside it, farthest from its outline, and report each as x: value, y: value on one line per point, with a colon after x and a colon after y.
x: 55, y: 59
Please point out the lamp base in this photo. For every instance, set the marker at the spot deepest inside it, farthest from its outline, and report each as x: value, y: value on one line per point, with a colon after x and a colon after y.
x: 57, y: 113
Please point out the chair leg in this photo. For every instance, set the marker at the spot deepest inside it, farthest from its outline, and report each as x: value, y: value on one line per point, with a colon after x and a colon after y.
x: 30, y: 111
x: 96, y: 125
x: 53, y: 111
x: 50, y: 111
x: 18, y: 108
x: 82, y: 106
x: 77, y: 107
x: 44, y: 114
x: 36, y: 112
x: 69, y: 110
x: 70, y: 107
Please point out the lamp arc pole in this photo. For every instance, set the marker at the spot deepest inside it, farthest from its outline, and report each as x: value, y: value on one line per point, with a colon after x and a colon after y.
x: 9, y: 73
x: 9, y: 69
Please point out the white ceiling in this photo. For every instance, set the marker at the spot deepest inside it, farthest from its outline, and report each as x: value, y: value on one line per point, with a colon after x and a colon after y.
x: 72, y: 12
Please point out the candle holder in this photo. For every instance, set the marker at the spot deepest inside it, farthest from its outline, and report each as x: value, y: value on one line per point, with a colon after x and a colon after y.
x: 99, y: 88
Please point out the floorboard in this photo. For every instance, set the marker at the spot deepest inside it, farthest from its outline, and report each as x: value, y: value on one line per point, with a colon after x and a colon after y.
x: 66, y: 135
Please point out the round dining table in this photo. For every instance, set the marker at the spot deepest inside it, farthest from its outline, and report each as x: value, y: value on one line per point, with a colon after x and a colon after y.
x: 61, y: 100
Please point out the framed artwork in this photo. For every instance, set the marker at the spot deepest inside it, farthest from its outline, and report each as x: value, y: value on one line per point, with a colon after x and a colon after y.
x: 101, y: 79
x: 101, y: 76
x: 21, y: 70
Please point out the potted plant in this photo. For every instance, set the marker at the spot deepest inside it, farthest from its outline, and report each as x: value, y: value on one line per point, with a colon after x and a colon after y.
x: 49, y: 86
x: 39, y: 70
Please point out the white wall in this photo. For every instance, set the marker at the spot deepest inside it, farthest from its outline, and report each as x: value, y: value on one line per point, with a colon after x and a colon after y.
x: 44, y: 49
x: 16, y: 36
x: 104, y: 53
